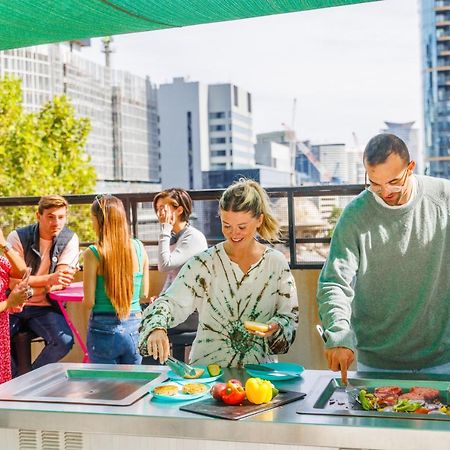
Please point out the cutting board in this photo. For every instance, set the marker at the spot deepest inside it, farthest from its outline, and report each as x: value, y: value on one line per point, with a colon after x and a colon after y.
x: 214, y: 408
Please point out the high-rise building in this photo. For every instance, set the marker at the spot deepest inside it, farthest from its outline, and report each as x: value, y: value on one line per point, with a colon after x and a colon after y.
x: 230, y: 127
x: 130, y: 136
x: 435, y: 16
x: 125, y: 150
x: 333, y: 162
x: 203, y: 128
x: 273, y: 154
x: 410, y: 136
x: 183, y: 125
x: 88, y: 86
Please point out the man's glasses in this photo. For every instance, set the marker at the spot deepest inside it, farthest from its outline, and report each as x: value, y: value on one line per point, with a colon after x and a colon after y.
x: 391, y: 188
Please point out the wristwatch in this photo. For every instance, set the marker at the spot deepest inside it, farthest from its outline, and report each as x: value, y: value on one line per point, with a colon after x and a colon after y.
x: 6, y: 248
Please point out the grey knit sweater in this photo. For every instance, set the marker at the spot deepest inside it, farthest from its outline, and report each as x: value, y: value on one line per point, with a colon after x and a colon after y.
x: 385, y: 288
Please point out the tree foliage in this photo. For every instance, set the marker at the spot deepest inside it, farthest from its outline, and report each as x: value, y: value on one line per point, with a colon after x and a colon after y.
x: 333, y: 219
x: 42, y: 153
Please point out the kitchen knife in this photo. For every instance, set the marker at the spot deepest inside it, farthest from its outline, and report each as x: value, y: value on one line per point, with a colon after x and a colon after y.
x: 272, y: 372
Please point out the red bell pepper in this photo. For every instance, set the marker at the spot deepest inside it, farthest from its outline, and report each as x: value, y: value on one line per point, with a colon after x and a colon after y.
x: 234, y: 393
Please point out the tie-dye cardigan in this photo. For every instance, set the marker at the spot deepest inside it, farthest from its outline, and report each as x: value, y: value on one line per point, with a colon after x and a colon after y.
x: 225, y: 297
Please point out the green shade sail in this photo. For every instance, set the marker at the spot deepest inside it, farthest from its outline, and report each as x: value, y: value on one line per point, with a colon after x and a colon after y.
x: 31, y: 22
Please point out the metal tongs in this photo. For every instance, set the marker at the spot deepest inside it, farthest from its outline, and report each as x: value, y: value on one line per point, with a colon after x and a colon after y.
x: 180, y: 368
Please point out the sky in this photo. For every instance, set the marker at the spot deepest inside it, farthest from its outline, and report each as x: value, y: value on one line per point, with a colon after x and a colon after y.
x: 349, y: 68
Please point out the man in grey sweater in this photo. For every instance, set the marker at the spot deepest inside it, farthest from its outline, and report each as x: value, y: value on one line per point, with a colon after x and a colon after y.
x: 385, y: 287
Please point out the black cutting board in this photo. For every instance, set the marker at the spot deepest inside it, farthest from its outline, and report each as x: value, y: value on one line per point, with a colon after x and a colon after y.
x: 215, y: 408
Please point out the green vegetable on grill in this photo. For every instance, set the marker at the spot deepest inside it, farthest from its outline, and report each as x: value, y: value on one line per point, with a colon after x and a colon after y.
x: 367, y: 400
x: 406, y: 406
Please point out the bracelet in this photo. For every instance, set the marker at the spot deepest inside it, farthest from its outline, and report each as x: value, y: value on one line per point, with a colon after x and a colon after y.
x: 6, y: 248
x: 160, y: 328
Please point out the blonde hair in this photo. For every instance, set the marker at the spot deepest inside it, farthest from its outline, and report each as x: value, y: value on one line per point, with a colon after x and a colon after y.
x: 115, y: 249
x: 248, y: 196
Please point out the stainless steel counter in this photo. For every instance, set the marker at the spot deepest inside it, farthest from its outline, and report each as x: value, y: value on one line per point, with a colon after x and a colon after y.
x: 146, y: 418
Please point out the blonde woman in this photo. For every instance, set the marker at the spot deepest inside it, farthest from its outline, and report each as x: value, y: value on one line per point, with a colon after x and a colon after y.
x: 235, y: 281
x: 115, y: 278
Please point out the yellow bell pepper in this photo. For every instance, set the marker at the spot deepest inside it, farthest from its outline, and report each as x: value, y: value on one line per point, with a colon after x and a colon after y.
x: 258, y: 391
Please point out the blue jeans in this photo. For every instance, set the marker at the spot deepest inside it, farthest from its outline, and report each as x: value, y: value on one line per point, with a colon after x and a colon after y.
x: 114, y: 341
x: 47, y: 323
x: 443, y: 369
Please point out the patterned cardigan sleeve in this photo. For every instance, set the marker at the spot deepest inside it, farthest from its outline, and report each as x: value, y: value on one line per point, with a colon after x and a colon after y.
x: 286, y: 314
x: 177, y: 302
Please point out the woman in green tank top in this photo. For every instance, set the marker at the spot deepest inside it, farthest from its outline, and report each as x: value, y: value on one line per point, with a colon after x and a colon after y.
x: 115, y: 278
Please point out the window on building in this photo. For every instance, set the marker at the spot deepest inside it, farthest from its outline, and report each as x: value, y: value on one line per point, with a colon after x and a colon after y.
x: 217, y: 128
x: 217, y: 115
x: 220, y: 166
x: 220, y: 140
x: 249, y: 102
x: 235, y: 96
x: 218, y: 153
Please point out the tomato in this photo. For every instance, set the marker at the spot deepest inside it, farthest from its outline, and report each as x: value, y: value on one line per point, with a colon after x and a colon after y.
x: 217, y: 390
x: 422, y: 410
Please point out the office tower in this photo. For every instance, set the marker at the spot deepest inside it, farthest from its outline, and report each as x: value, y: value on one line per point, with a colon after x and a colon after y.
x: 130, y: 137
x: 230, y: 127
x: 435, y: 15
x: 273, y: 154
x: 153, y: 132
x: 410, y: 136
x: 203, y: 128
x: 183, y: 124
x: 94, y: 89
x: 88, y: 86
x: 355, y: 167
x: 333, y: 161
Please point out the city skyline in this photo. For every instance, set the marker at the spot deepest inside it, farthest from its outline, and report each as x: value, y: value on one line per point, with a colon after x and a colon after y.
x: 357, y: 73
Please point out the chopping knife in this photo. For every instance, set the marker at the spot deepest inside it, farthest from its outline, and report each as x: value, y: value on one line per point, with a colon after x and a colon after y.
x: 272, y: 372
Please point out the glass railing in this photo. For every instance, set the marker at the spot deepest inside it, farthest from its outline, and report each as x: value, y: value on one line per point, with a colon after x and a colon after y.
x: 307, y: 216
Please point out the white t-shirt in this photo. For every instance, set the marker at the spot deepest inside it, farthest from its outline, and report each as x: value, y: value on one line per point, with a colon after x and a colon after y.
x: 413, y: 194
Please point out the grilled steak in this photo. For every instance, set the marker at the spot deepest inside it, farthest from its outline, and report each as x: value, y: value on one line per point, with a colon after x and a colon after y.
x: 387, y: 390
x: 412, y: 396
x: 426, y: 393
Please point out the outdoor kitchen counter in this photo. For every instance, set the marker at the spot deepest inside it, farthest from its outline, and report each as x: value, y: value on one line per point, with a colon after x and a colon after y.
x: 156, y: 423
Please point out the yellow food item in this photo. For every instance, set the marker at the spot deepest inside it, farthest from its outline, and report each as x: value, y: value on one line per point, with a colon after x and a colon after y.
x: 256, y: 326
x: 194, y: 388
x: 259, y: 391
x: 198, y: 373
x: 168, y: 389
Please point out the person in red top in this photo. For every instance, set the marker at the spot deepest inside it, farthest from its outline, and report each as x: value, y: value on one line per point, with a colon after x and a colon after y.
x: 11, y: 264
